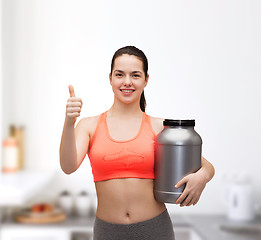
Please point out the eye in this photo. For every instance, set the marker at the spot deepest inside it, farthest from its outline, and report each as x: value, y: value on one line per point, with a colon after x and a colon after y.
x: 119, y: 74
x: 136, y: 76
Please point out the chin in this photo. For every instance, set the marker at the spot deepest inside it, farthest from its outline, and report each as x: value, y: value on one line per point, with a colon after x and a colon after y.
x: 127, y: 102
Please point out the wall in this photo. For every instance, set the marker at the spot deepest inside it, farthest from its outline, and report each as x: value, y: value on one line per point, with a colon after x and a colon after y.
x: 1, y: 80
x: 204, y: 59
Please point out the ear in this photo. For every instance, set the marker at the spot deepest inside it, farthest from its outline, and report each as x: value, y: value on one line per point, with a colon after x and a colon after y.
x: 110, y: 77
x: 146, y: 80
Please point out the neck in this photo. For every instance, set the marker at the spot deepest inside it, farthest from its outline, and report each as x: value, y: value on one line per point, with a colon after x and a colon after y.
x: 126, y: 110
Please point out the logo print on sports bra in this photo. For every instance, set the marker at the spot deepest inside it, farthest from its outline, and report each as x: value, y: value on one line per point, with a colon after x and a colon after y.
x: 127, y: 158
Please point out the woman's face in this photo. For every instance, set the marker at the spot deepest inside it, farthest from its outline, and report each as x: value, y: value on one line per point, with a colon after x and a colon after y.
x: 128, y: 78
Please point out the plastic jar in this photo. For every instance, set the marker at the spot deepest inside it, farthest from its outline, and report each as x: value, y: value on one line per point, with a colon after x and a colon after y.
x: 177, y: 153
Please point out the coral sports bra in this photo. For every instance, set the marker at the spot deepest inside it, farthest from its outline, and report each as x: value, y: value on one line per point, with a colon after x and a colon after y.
x: 111, y: 159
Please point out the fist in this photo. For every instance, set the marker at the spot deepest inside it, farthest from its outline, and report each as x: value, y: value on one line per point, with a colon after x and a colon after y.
x: 73, y: 106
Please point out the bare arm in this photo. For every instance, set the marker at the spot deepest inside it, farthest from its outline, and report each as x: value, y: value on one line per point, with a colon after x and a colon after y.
x: 74, y: 140
x: 207, y: 170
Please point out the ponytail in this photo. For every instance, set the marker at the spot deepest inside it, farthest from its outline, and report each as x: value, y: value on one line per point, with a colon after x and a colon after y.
x: 142, y: 102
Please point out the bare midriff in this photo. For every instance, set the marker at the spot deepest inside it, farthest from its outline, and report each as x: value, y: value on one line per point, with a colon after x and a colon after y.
x: 127, y: 200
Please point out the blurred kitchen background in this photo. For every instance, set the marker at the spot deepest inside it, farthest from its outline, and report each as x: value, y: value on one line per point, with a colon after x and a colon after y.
x: 204, y: 64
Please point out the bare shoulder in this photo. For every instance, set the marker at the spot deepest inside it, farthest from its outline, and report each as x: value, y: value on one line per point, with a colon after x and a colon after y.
x: 157, y: 124
x: 88, y: 124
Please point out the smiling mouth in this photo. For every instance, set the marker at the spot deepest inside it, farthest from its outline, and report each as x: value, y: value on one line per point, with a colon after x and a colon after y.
x: 127, y: 90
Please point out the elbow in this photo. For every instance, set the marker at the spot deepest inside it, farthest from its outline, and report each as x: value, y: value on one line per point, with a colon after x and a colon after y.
x: 67, y: 170
x: 211, y: 172
x: 214, y: 171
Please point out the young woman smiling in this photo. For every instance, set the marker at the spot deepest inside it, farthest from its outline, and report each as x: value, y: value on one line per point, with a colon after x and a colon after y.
x: 120, y: 146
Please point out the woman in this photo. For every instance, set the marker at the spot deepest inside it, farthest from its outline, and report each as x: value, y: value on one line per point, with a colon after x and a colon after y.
x: 119, y: 143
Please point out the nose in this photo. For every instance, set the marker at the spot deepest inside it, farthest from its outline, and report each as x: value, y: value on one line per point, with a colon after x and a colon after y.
x: 127, y: 81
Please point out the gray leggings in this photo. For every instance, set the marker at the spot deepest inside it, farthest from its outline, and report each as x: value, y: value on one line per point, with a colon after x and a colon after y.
x: 157, y: 228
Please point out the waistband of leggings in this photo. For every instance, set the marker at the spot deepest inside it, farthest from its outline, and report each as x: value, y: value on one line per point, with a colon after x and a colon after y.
x: 149, y: 221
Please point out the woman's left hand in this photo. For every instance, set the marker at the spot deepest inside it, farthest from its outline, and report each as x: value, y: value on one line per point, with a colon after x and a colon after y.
x: 195, y: 183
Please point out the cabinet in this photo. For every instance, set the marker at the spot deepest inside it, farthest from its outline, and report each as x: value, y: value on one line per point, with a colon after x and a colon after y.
x: 42, y: 233
x: 73, y: 228
x: 38, y: 233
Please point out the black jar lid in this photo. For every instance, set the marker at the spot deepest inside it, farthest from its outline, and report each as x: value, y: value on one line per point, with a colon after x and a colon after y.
x: 172, y: 122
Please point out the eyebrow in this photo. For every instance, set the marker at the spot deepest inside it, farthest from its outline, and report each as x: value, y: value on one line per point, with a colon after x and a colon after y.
x: 131, y: 72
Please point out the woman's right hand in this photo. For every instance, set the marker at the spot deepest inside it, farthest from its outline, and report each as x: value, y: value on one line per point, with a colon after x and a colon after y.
x: 73, y: 106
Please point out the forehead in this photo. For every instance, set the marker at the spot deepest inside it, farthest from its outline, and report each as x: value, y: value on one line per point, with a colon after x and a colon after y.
x: 127, y: 62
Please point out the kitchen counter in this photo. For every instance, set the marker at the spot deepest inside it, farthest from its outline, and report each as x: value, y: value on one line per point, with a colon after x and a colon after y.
x: 207, y: 226
x: 72, y: 223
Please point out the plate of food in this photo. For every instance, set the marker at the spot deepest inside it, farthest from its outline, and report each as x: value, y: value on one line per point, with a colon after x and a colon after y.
x: 40, y: 213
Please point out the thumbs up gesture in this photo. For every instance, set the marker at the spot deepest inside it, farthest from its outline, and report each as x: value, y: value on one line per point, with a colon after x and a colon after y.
x: 73, y: 106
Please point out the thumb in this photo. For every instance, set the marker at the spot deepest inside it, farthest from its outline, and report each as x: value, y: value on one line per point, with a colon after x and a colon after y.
x: 181, y: 182
x: 71, y: 90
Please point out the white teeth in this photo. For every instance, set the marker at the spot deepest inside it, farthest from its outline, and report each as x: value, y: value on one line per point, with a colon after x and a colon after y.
x: 127, y: 91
